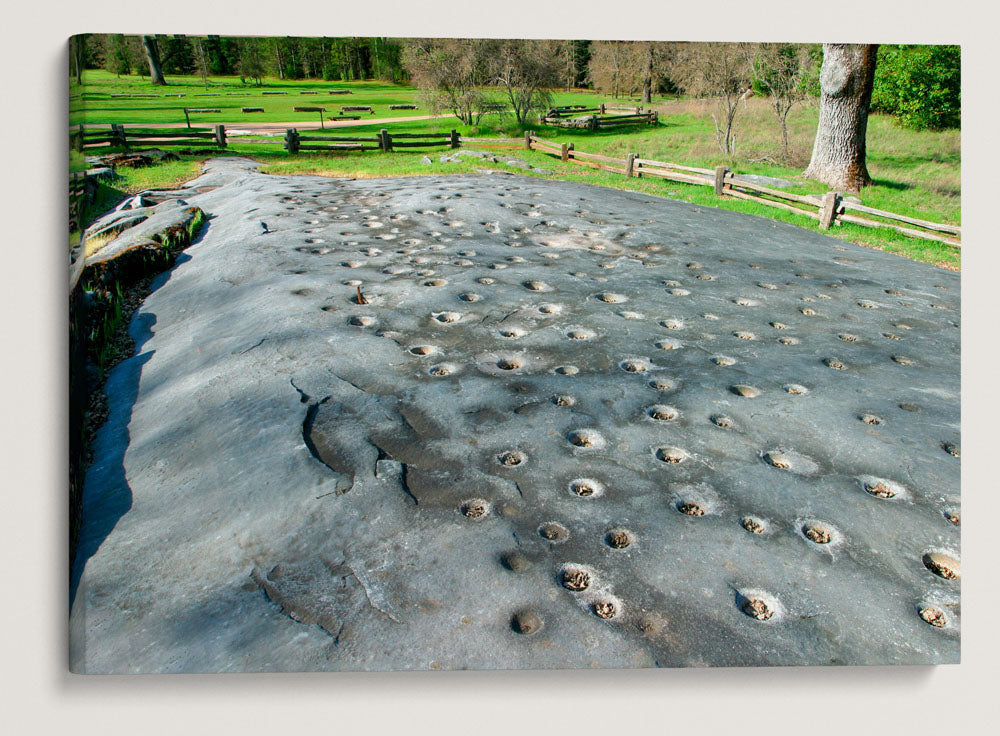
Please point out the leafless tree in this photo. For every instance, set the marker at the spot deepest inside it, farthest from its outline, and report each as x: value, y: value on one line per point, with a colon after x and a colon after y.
x: 451, y: 73
x: 846, y: 79
x: 722, y: 72
x: 779, y: 68
x: 615, y: 66
x: 525, y: 70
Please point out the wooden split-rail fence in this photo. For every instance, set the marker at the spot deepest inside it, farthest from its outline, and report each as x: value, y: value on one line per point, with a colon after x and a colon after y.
x: 828, y: 209
x: 384, y: 141
x: 117, y: 135
x: 575, y: 116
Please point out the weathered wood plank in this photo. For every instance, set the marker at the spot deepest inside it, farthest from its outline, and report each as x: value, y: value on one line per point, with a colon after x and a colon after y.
x: 905, y: 230
x: 771, y: 203
x: 938, y: 226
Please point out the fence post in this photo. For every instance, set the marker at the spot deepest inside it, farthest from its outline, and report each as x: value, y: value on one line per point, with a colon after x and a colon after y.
x: 292, y: 140
x: 828, y: 210
x: 80, y: 139
x: 720, y: 179
x: 220, y: 136
x: 383, y: 140
x: 454, y: 138
x: 602, y: 108
x: 630, y: 165
x: 187, y: 119
x: 527, y: 139
x: 118, y: 135
x: 563, y: 152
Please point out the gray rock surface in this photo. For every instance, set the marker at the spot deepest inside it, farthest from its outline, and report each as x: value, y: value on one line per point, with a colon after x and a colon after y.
x: 571, y: 427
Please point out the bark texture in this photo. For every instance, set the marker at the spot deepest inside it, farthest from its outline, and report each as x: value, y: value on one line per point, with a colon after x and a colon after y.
x: 152, y: 50
x: 846, y: 78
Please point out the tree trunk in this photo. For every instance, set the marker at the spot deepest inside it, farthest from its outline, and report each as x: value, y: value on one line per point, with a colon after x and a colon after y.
x: 153, y: 57
x: 647, y: 79
x: 77, y: 46
x: 846, y: 79
x: 281, y: 66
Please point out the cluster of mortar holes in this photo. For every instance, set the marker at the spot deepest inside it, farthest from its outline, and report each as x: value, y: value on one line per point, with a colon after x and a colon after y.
x: 847, y: 337
x: 667, y: 344
x: 485, y: 280
x: 678, y: 292
x: 818, y: 533
x: 745, y: 390
x: 586, y: 438
x: 442, y: 369
x: 808, y: 311
x: 722, y: 421
x: 753, y: 524
x: 723, y: 360
x: 361, y: 320
x: 634, y: 365
x: 511, y: 458
x: 554, y: 532
x: 705, y: 277
x: 872, y: 419
x: 952, y: 449
x: 758, y: 606
x: 447, y: 317
x: 778, y: 325
x: 512, y: 332
x: 550, y: 308
x: 902, y: 360
x: 837, y: 365
x: 423, y: 349
x: 662, y: 413
x: 509, y: 364
x: 469, y: 296
x: 953, y: 515
x: 566, y: 370
x: 942, y: 564
x: 672, y: 324
x: 744, y: 335
x: 607, y: 608
x: 586, y: 488
x: 611, y: 298
x: 475, y: 508
x: 660, y: 384
x: 788, y: 340
x: 671, y: 455
x: 580, y: 334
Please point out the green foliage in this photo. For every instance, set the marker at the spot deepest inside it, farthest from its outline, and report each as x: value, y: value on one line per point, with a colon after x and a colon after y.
x: 920, y: 85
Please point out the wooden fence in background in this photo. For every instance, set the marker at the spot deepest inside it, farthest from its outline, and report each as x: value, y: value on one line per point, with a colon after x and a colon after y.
x: 119, y: 136
x: 385, y: 141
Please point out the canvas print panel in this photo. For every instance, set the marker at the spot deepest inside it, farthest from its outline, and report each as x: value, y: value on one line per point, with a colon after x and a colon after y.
x: 498, y: 354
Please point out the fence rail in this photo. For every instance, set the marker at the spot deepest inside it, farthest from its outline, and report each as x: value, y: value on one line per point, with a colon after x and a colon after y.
x: 385, y: 141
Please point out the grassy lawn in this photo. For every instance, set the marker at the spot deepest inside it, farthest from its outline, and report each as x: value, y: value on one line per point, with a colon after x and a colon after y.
x: 915, y: 173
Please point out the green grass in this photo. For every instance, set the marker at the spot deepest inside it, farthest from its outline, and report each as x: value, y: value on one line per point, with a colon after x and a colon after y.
x: 915, y: 173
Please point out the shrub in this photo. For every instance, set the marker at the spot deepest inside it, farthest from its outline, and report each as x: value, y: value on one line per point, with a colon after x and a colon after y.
x: 920, y: 85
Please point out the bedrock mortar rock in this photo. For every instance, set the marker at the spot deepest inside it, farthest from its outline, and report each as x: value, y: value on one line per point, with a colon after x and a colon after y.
x: 291, y: 479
